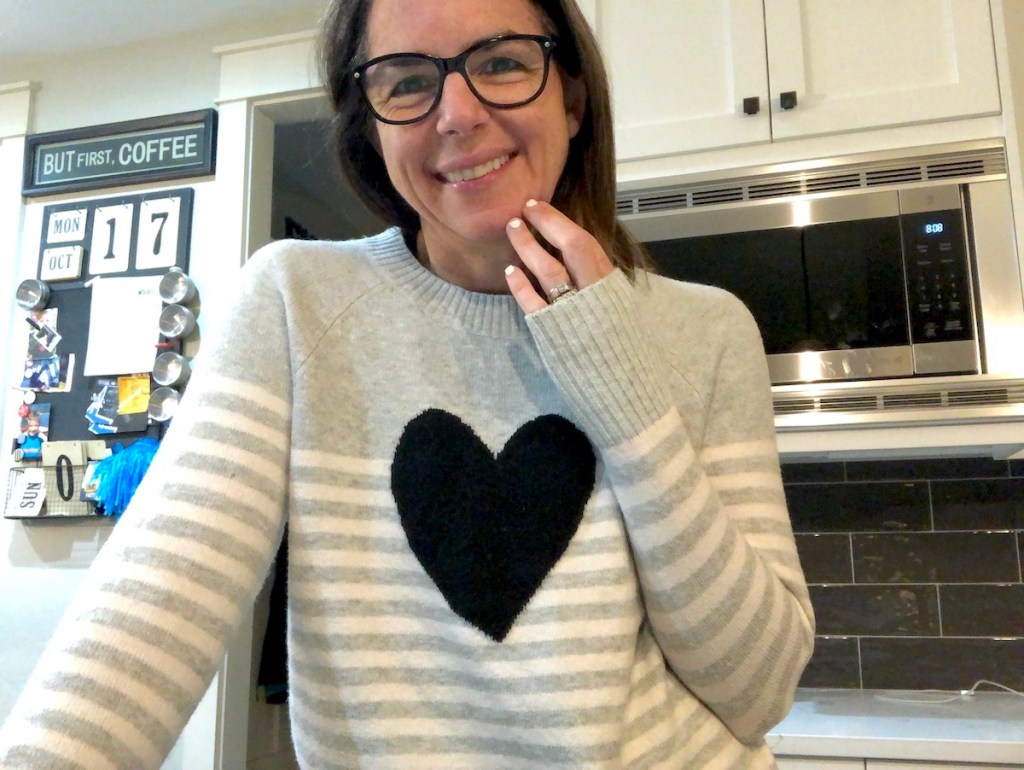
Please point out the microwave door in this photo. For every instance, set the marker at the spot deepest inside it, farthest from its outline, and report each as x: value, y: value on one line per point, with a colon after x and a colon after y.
x: 857, y: 303
x: 763, y: 268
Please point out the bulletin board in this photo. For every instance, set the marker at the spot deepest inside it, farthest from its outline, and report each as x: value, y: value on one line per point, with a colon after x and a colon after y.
x: 138, y: 236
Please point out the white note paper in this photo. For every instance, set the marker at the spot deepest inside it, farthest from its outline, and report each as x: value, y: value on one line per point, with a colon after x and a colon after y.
x: 124, y: 326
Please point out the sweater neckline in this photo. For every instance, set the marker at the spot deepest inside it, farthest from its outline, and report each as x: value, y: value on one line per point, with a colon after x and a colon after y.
x: 492, y: 315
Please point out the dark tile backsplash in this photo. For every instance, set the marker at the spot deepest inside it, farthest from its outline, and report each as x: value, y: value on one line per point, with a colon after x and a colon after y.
x: 914, y: 569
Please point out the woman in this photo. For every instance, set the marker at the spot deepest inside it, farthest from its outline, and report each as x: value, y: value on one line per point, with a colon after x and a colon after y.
x: 534, y: 508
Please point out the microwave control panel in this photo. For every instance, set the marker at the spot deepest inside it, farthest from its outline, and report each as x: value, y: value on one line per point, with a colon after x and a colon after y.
x: 938, y: 276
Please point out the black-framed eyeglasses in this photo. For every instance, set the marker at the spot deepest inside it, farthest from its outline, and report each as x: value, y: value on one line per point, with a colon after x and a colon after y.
x: 503, y: 72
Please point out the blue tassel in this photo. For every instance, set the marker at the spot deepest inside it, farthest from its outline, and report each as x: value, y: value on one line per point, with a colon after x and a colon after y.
x: 121, y: 473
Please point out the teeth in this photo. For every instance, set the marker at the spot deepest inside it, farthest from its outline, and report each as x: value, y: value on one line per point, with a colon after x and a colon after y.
x: 464, y: 175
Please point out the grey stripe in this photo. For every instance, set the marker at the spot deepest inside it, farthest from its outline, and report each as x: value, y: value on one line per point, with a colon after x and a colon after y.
x: 169, y: 690
x: 172, y: 602
x: 755, y: 494
x: 539, y: 684
x: 230, y: 507
x: 188, y: 654
x: 471, y: 715
x: 238, y: 472
x: 233, y: 401
x: 103, y: 741
x: 28, y: 758
x: 675, y: 599
x: 200, y: 533
x: 156, y: 558
x: 442, y: 645
x: 222, y: 433
x: 428, y: 610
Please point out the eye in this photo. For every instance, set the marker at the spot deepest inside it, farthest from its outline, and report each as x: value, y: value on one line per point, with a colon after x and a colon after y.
x: 413, y: 85
x: 501, y: 65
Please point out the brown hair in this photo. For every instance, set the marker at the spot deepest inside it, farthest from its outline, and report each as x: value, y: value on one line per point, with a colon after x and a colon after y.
x: 586, y: 189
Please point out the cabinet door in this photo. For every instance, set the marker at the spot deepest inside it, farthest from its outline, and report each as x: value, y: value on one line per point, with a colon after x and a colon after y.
x: 680, y: 73
x: 857, y: 64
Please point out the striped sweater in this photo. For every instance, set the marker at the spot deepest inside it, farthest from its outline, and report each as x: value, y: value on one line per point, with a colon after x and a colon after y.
x: 514, y: 542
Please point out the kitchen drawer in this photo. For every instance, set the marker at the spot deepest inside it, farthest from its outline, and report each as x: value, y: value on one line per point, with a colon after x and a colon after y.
x: 818, y: 763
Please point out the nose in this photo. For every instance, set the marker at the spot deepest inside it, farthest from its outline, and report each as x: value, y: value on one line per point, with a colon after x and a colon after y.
x: 459, y: 110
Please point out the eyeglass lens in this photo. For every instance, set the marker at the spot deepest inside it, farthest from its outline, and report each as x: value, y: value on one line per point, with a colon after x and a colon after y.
x: 503, y: 73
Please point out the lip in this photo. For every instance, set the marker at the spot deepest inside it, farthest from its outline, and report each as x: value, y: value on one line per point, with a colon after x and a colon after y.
x: 444, y: 174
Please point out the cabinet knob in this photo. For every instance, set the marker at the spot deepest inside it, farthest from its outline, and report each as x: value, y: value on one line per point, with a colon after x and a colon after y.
x: 787, y: 100
x: 751, y: 105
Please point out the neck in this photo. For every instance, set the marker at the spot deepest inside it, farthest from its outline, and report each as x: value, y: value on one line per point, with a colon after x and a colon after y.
x: 477, y: 266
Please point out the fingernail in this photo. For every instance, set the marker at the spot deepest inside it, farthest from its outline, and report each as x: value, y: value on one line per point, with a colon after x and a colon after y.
x: 531, y: 203
x: 509, y: 270
x: 515, y: 222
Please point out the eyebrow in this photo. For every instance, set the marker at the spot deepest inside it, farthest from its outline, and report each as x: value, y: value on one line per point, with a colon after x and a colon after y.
x: 484, y: 39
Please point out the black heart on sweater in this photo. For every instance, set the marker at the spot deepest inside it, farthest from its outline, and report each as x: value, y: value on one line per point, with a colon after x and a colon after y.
x: 488, y: 529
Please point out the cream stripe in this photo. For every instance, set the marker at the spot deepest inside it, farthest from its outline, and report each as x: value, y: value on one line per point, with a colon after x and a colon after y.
x: 738, y: 451
x: 330, y: 493
x: 357, y: 466
x: 750, y: 480
x: 252, y: 461
x: 525, y: 702
x: 261, y: 397
x: 507, y: 670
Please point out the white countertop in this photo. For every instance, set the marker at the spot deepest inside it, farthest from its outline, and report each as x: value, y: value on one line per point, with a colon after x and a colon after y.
x: 888, y: 724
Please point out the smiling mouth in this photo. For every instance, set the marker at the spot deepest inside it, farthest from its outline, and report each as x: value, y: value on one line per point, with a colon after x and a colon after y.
x: 467, y: 174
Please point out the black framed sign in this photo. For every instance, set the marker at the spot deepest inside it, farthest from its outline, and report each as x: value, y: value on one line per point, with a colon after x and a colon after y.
x: 132, y: 152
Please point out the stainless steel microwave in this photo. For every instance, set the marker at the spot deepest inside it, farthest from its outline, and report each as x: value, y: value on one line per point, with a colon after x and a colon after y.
x: 857, y: 268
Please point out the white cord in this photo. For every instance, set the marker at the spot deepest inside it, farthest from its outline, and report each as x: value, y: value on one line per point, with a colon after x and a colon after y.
x: 948, y: 696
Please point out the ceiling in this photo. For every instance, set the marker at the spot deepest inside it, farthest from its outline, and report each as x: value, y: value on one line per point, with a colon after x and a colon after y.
x: 33, y: 29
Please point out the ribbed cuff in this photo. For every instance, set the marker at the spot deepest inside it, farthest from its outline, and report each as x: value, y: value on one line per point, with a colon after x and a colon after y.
x: 599, y: 353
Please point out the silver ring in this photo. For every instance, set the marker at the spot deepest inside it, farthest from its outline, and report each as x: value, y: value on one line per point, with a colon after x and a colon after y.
x: 560, y: 290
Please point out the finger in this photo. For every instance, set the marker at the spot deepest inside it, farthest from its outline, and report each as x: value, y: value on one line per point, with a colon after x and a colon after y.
x: 584, y: 258
x: 545, y: 268
x: 522, y: 290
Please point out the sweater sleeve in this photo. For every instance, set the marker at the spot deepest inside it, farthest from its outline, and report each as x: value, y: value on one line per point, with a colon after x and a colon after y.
x: 706, y: 515
x: 140, y: 642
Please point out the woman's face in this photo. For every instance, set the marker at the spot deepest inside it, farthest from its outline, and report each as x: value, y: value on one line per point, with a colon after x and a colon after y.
x: 467, y: 168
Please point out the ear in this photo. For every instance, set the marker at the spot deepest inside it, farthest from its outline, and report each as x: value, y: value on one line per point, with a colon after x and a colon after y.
x: 575, y: 93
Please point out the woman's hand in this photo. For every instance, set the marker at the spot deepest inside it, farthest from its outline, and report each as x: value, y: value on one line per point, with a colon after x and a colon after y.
x: 583, y: 260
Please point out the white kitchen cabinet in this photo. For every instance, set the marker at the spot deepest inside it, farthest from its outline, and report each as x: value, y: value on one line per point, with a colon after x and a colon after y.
x: 681, y: 71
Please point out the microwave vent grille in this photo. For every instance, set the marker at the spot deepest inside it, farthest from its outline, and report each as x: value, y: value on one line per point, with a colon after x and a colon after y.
x: 888, y: 176
x: 956, y: 169
x: 718, y: 195
x: 922, y: 397
x: 760, y: 185
x: 833, y: 182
